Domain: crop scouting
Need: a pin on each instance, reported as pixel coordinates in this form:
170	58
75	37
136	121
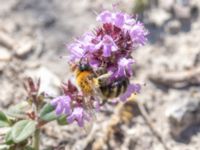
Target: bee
96	83
95	86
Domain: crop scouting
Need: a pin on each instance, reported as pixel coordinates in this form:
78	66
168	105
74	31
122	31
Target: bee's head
84	67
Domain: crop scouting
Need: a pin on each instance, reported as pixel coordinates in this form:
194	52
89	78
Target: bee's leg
88	103
89	106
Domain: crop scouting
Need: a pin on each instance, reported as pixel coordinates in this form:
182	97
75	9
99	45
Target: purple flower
78	115
126	23
86	41
132	88
105	17
129	21
82	46
124	67
117	19
71	105
62	104
138	34
108	46
95	63
119	34
76	51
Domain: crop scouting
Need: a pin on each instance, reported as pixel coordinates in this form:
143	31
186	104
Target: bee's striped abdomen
115	88
105	90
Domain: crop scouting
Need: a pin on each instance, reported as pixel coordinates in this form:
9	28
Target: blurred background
33	38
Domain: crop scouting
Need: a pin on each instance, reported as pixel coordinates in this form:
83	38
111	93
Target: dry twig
123	114
146	117
177	79
6	41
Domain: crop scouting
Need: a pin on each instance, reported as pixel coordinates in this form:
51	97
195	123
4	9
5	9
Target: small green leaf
19	110
47	113
62	120
4	147
4	121
22	130
9	139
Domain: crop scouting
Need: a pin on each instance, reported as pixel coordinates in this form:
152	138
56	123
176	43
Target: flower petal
105	17
78	115
132	88
59	109
124	67
119	20
62	103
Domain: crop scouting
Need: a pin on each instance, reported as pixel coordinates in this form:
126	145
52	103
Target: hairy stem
36	136
36	139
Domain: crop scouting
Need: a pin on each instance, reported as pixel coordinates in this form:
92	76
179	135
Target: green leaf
4	121
22	130
19	110
9	139
47	113
4	147
62	120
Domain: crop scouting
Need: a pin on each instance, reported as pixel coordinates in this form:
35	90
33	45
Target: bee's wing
105	76
102	80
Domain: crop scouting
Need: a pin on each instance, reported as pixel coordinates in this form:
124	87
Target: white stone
173	27
24	47
182	12
166	4
158	16
183	114
5	55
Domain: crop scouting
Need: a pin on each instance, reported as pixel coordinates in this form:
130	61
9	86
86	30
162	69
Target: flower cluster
71	104
110	47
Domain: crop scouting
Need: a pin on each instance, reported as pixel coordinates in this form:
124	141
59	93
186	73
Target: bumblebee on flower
104	60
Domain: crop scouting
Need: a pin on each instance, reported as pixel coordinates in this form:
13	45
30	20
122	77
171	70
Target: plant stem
36	139
146	118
